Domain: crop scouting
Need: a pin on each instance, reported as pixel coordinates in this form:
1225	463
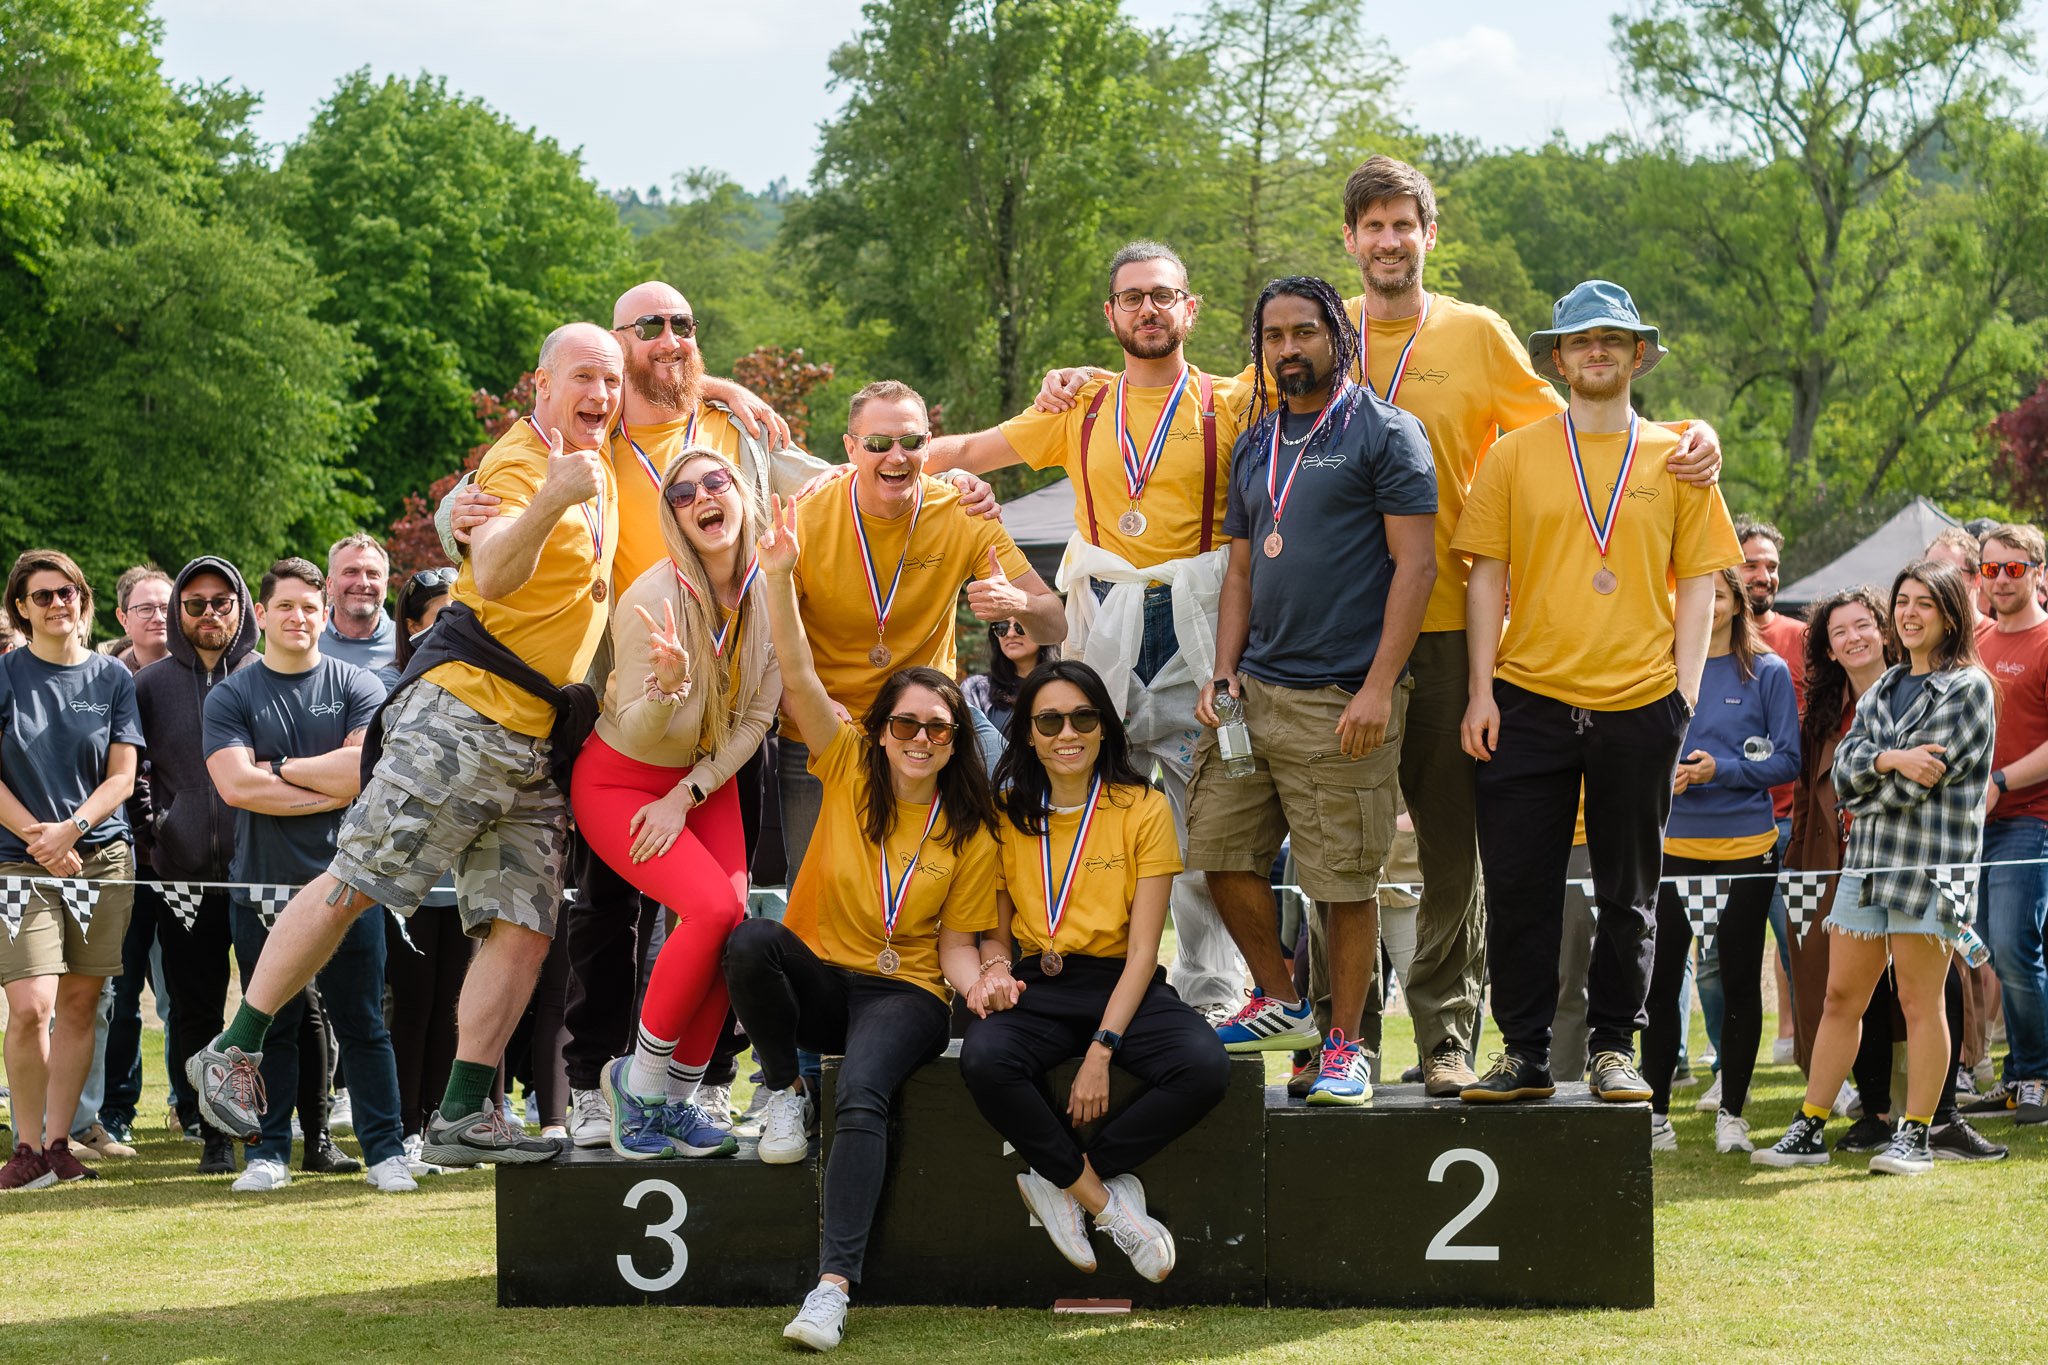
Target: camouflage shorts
456	789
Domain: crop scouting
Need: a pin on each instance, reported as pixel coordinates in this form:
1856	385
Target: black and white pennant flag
1803	892
269	901
183	898
80	896
1958	882
15	893
1702	897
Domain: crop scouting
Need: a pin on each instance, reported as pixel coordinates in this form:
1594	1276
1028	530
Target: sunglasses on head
433	578
683	492
879	444
1085	720
648	326
196	607
940	732
67	594
2011	568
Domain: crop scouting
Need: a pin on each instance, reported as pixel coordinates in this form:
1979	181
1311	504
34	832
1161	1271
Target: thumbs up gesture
573	476
996	598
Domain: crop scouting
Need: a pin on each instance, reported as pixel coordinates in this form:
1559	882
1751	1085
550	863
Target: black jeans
1873	1066
426	983
607	931
1739	939
124	1024
1528	797
1167	1046
882	1030
196	979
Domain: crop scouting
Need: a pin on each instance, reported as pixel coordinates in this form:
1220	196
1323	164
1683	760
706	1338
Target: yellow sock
1815	1111
1925	1121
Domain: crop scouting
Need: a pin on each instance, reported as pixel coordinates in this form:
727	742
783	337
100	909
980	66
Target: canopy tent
1041	522
1875	559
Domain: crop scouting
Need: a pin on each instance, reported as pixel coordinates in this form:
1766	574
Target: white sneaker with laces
1663	1137
821	1322
783	1121
1136	1233
1710	1100
1731	1133
715	1102
1848	1103
1062	1217
341	1115
392	1175
590	1119
261	1176
414	1165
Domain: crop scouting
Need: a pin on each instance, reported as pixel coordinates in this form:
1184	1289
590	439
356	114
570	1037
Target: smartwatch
1112	1041
1998	780
84	825
277	768
696	792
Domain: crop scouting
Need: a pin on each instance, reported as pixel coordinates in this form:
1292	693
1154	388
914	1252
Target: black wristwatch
1112	1041
1998	780
277	768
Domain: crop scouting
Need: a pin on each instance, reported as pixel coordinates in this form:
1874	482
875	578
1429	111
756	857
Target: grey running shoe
230	1089
480	1138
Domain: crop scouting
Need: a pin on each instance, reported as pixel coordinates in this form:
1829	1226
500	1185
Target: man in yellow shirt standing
471	739
1612	558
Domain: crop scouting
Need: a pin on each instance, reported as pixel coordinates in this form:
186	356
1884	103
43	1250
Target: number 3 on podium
679	1209
1440	1247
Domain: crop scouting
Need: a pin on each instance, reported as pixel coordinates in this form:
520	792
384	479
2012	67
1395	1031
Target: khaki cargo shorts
50	942
456	789
1340	811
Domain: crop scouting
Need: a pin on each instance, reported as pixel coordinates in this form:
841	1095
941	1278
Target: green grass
153	1263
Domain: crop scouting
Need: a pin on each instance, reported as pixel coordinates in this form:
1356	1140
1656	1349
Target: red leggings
702	879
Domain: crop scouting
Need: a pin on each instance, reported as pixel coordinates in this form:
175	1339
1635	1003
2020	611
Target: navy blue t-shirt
57	722
1317	609
288	715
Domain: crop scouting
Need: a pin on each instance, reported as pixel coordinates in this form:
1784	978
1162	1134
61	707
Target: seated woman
897	884
695	690
1011	656
1088	856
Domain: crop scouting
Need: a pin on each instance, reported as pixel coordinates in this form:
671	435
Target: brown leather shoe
1446	1074
102	1144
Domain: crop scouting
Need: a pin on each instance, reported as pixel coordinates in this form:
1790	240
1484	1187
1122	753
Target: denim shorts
1876	921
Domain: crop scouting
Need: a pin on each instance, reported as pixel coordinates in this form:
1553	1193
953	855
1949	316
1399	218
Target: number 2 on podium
1440	1247
679	1209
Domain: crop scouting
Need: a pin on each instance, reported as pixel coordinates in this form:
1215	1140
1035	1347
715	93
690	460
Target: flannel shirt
1901	824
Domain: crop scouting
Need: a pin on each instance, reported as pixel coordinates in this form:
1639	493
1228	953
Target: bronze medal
888	961
1050	963
1605	582
879	656
1273	544
598	591
1131	523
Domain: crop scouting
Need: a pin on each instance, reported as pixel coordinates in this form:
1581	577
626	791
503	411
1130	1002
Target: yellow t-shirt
640	509
949	549
1605	652
552	622
836	905
1723	848
1172	503
1132	837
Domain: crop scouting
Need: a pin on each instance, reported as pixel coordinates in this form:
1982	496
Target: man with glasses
359	630
1147	451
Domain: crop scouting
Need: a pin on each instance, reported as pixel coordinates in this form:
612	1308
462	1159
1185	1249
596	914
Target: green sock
248	1029
1816	1111
469	1089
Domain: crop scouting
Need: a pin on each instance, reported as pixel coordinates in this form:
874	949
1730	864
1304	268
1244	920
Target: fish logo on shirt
1324	459
1642	491
98	708
930	869
1102	862
325	708
924	561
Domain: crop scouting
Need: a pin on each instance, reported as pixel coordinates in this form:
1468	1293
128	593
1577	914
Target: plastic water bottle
1976	952
1233	737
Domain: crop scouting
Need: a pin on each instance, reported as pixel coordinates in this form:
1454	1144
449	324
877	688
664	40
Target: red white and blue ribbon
725	627
1602	528
1277	493
1056	903
1401	365
1138	472
646	463
896	895
881	604
592	508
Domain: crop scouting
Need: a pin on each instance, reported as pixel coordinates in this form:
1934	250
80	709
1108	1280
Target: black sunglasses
1085	719
683	492
906	727
433	578
67	594
648	326
879	444
196	607
1001	628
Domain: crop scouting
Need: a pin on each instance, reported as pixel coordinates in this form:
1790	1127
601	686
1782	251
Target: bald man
468	738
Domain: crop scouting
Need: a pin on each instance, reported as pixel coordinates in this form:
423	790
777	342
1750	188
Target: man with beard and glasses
359	630
1148	453
1594	680
1331	522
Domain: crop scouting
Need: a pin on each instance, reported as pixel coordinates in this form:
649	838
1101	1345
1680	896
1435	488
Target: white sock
682	1080
646	1074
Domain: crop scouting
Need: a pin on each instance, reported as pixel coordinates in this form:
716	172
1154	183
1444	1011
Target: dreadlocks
1343	336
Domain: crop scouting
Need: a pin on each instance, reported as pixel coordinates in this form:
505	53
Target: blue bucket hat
1596	303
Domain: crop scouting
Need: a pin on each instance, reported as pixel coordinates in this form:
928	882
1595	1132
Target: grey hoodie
194	828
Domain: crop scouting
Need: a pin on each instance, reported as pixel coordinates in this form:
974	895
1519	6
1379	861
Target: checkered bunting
1702	897
1585	886
184	899
270	901
80	896
14	898
1958	882
1803	892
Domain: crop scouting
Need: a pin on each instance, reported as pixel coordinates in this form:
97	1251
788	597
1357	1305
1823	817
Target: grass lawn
154	1263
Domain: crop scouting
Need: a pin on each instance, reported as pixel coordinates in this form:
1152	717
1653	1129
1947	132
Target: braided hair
1343	336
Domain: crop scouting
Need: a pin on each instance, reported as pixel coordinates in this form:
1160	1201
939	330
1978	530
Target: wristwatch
84	825
1998	779
696	792
277	768
1112	1041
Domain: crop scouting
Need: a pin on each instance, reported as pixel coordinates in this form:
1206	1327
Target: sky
649	88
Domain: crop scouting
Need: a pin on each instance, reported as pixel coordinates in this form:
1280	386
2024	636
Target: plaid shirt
1899	823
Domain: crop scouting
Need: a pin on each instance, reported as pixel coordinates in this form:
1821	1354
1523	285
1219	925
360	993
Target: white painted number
680	1260
1440	1248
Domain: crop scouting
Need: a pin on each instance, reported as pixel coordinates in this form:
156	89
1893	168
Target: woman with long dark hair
1911	772
1011	656
1088	857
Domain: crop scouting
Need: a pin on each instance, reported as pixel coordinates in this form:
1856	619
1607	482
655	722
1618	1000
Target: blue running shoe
637	1130
690	1132
1345	1077
1266	1025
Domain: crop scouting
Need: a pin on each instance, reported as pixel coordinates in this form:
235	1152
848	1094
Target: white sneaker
1848	1103
392	1175
716	1103
298	1132
341	1116
822	1320
261	1176
748	1124
1710	1100
590	1119
783	1121
532	1110
415	1166
1663	1137
1061	1214
1731	1133
1136	1233
1782	1051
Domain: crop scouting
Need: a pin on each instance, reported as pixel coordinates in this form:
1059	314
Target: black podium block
952	1229
593	1228
1410	1201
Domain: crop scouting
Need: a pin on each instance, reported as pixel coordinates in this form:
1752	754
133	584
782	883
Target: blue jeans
352	993
2012	901
1161	641
1711	998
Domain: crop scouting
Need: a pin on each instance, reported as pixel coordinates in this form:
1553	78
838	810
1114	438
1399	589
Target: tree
2023	452
785	380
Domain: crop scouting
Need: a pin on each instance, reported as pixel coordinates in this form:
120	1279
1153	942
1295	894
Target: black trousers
123	1068
426	983
1873	1066
1528	797
882	1031
1167	1046
196	979
1739	938
607	930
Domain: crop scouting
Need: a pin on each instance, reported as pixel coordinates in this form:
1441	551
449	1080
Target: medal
1277	493
1056	905
880	656
598	591
1131	523
1401	365
1604	581
1138	470
647	464
1049	962
1273	545
888	961
894	895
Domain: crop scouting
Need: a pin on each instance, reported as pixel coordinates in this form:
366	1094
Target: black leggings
882	1030
1873	1067
1739	935
426	983
1166	1045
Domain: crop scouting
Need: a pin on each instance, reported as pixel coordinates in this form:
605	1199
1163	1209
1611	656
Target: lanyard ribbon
593	517
1137	472
1276	492
880	603
725	627
894	897
1400	366
647	464
1056	905
1603	531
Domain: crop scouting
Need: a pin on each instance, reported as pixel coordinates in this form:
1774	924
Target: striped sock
683	1081
646	1074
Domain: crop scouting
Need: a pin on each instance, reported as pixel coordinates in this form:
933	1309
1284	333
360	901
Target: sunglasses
67	594
940	732
648	326
1131	300
196	607
1085	720
879	444
683	492
2011	568
1001	628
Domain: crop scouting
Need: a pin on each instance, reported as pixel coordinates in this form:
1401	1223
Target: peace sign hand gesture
665	652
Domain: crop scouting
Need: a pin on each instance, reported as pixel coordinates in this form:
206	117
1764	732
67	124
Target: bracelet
675	698
992	963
